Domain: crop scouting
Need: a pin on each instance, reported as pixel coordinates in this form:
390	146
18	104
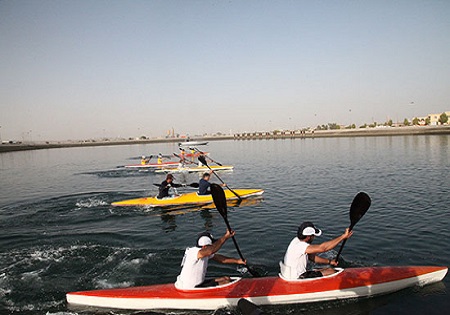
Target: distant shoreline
367	132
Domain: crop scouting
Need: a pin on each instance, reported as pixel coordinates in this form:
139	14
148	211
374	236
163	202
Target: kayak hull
195	169
188	199
192	143
152	165
346	284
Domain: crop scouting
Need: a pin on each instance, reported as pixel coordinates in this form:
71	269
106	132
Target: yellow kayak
187	199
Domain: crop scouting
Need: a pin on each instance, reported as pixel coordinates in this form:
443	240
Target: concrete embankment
367	132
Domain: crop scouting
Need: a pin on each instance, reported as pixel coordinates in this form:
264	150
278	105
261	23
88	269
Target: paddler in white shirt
195	262
300	250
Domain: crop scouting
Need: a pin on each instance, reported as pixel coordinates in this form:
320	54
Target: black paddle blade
359	207
219	199
248	308
202	159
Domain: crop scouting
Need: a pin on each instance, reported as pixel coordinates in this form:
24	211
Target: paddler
195	262
159	159
144	160
166	185
300	250
204	186
182	155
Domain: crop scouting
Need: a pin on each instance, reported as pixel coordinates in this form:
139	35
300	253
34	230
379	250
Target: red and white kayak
346	284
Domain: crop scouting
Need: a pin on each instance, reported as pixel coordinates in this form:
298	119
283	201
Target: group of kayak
285	288
186	163
195	198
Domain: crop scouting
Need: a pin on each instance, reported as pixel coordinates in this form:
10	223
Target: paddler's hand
347	234
241	262
333	262
229	234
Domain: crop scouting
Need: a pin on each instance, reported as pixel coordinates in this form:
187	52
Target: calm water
58	232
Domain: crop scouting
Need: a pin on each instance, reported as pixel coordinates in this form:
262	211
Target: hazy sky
89	69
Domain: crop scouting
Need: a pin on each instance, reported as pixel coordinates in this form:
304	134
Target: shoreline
367	132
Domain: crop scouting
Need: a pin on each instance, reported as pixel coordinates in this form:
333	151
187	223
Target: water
58	232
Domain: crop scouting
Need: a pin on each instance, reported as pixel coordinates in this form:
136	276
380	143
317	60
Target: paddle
358	208
202	153
248	308
221	205
194	185
202	159
183	160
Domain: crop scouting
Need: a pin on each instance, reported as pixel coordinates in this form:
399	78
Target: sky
85	69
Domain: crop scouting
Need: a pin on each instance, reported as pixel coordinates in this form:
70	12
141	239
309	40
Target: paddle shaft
183	160
207	157
203	161
234	240
340	250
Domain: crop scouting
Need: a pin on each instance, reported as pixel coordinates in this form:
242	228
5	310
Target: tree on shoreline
443	119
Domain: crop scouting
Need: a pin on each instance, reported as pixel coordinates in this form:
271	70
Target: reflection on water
168	215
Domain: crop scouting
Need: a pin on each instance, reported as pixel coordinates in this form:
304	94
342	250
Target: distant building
434	118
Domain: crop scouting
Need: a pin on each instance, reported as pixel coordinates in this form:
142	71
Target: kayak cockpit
285	272
234	280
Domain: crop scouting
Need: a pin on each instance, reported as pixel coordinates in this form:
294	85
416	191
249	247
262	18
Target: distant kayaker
204	186
166	185
195	262
182	155
300	251
144	160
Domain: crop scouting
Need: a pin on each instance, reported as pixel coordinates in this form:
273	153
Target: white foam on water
105	284
91	203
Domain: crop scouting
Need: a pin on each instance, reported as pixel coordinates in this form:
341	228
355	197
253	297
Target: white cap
204	240
311	231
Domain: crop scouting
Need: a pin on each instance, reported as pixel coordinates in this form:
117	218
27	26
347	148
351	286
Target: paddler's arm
321	260
214	247
228	260
326	246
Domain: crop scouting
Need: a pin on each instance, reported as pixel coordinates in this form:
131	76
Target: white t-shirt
296	258
193	271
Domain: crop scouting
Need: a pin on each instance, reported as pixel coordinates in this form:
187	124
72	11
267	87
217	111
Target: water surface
59	233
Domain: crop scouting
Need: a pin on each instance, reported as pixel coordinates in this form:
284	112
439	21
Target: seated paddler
195	262
166	185
301	251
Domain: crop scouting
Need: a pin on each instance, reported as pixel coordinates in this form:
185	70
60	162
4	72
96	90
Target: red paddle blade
359	207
